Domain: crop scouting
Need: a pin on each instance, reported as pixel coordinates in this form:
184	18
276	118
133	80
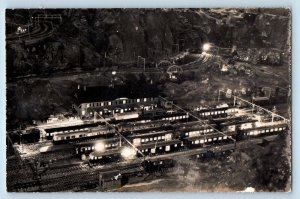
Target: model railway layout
134	147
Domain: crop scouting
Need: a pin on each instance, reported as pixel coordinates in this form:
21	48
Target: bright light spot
128	153
206	47
99	147
136	28
249	189
114	73
91	156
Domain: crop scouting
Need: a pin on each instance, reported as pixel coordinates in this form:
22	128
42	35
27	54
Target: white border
294	5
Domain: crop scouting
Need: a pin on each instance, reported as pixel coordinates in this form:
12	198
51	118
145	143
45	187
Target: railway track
44	31
71	178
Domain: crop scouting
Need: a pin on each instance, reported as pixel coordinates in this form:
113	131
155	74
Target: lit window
124	101
201	141
138	100
109	103
197	142
145	99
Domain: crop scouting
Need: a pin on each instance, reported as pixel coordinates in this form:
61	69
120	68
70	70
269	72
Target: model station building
118	99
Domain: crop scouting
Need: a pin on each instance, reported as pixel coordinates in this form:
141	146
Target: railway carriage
263	131
150	137
96	145
196	131
160	165
221	152
160	147
235	125
213	113
108	156
83	134
205	140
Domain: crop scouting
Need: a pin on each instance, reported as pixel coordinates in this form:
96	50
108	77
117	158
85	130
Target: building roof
104	93
93	142
149	134
77	127
206	136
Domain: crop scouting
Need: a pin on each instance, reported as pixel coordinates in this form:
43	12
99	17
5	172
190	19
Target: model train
172	145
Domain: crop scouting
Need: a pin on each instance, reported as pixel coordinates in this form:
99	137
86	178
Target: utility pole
100	180
219	95
234	100
144	60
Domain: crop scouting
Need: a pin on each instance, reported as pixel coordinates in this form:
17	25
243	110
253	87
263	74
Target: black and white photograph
148	100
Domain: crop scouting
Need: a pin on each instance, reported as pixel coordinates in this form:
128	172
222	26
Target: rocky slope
90	39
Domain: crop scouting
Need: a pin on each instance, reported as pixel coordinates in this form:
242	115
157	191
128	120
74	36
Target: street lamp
128	153
99	147
206	47
21	142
